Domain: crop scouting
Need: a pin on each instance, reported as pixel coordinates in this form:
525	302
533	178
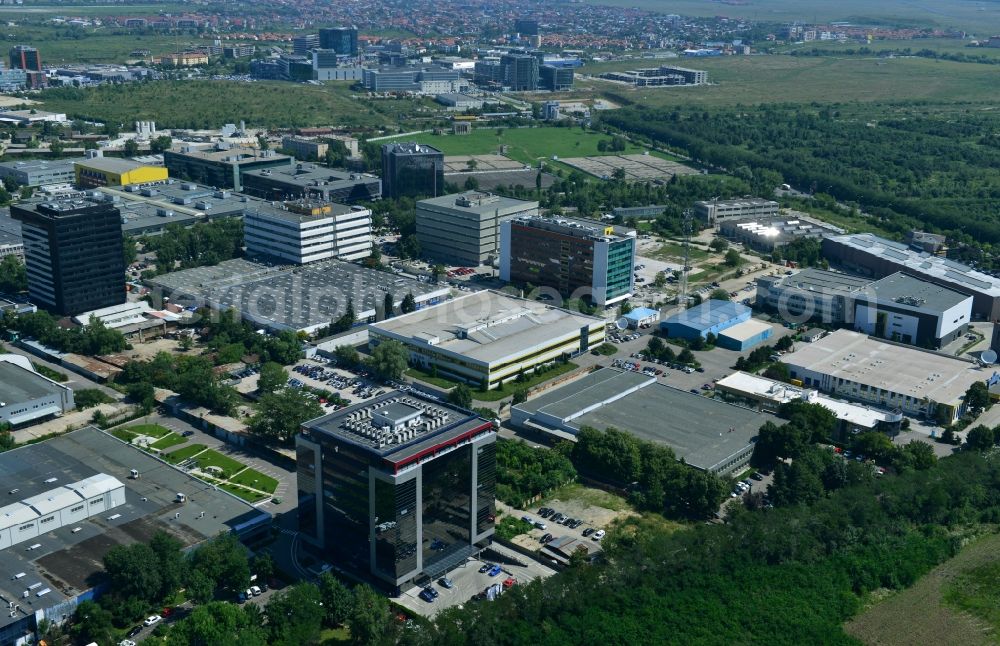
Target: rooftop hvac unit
149	192
189	187
203	205
165	213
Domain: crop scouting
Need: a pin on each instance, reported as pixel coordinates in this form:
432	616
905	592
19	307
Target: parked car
445	582
546	538
495	570
509	582
135	631
485	568
152	619
598	535
757	476
540	525
588	531
255	590
426	595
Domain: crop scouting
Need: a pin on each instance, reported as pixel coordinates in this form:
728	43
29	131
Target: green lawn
245	494
152	430
212	458
167	441
675	251
334	636
123	435
180	455
526	145
440	382
530	381
255	479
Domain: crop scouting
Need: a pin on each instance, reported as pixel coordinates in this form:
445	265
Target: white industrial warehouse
59	507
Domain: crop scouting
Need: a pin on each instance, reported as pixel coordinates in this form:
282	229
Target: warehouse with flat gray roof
59	566
26	396
490	337
706	433
301	298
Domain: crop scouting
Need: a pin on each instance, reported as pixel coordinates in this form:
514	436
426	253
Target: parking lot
467	581
321	374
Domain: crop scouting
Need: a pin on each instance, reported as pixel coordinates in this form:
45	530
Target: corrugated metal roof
53	500
96	485
16	514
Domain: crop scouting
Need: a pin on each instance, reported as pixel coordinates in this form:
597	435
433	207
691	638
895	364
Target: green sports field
526	145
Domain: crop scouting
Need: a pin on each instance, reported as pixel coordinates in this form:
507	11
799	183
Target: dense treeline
524	472
908	166
655	479
958	57
205	243
788	575
91	339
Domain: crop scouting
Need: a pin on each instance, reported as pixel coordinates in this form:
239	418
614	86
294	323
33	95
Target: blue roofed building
712	316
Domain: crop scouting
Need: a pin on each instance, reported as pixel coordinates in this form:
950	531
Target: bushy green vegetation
90	397
56	375
280	414
655	479
785	575
525	473
91	339
206	243
13	275
509	527
193	378
909	167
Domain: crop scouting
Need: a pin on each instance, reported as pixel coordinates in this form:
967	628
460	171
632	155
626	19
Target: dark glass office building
343	40
73	254
520	72
23	57
412	170
398	488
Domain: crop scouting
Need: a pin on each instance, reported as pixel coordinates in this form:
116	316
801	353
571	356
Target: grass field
180	455
590	496
507	390
212	458
922	614
982	18
167	441
525	144
208	104
255	479
123	435
786	79
152	430
942	45
245	494
675	251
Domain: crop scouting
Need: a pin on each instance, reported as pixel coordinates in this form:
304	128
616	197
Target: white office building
301	232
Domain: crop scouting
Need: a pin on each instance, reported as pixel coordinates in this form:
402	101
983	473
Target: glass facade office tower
73	254
343	40
579	258
398	487
23	57
412	170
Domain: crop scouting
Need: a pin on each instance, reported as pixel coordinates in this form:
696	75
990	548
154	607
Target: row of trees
656	480
205	243
914	168
293	616
13	275
145	576
525	472
92	339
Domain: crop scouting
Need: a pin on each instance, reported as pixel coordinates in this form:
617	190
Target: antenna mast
682	297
